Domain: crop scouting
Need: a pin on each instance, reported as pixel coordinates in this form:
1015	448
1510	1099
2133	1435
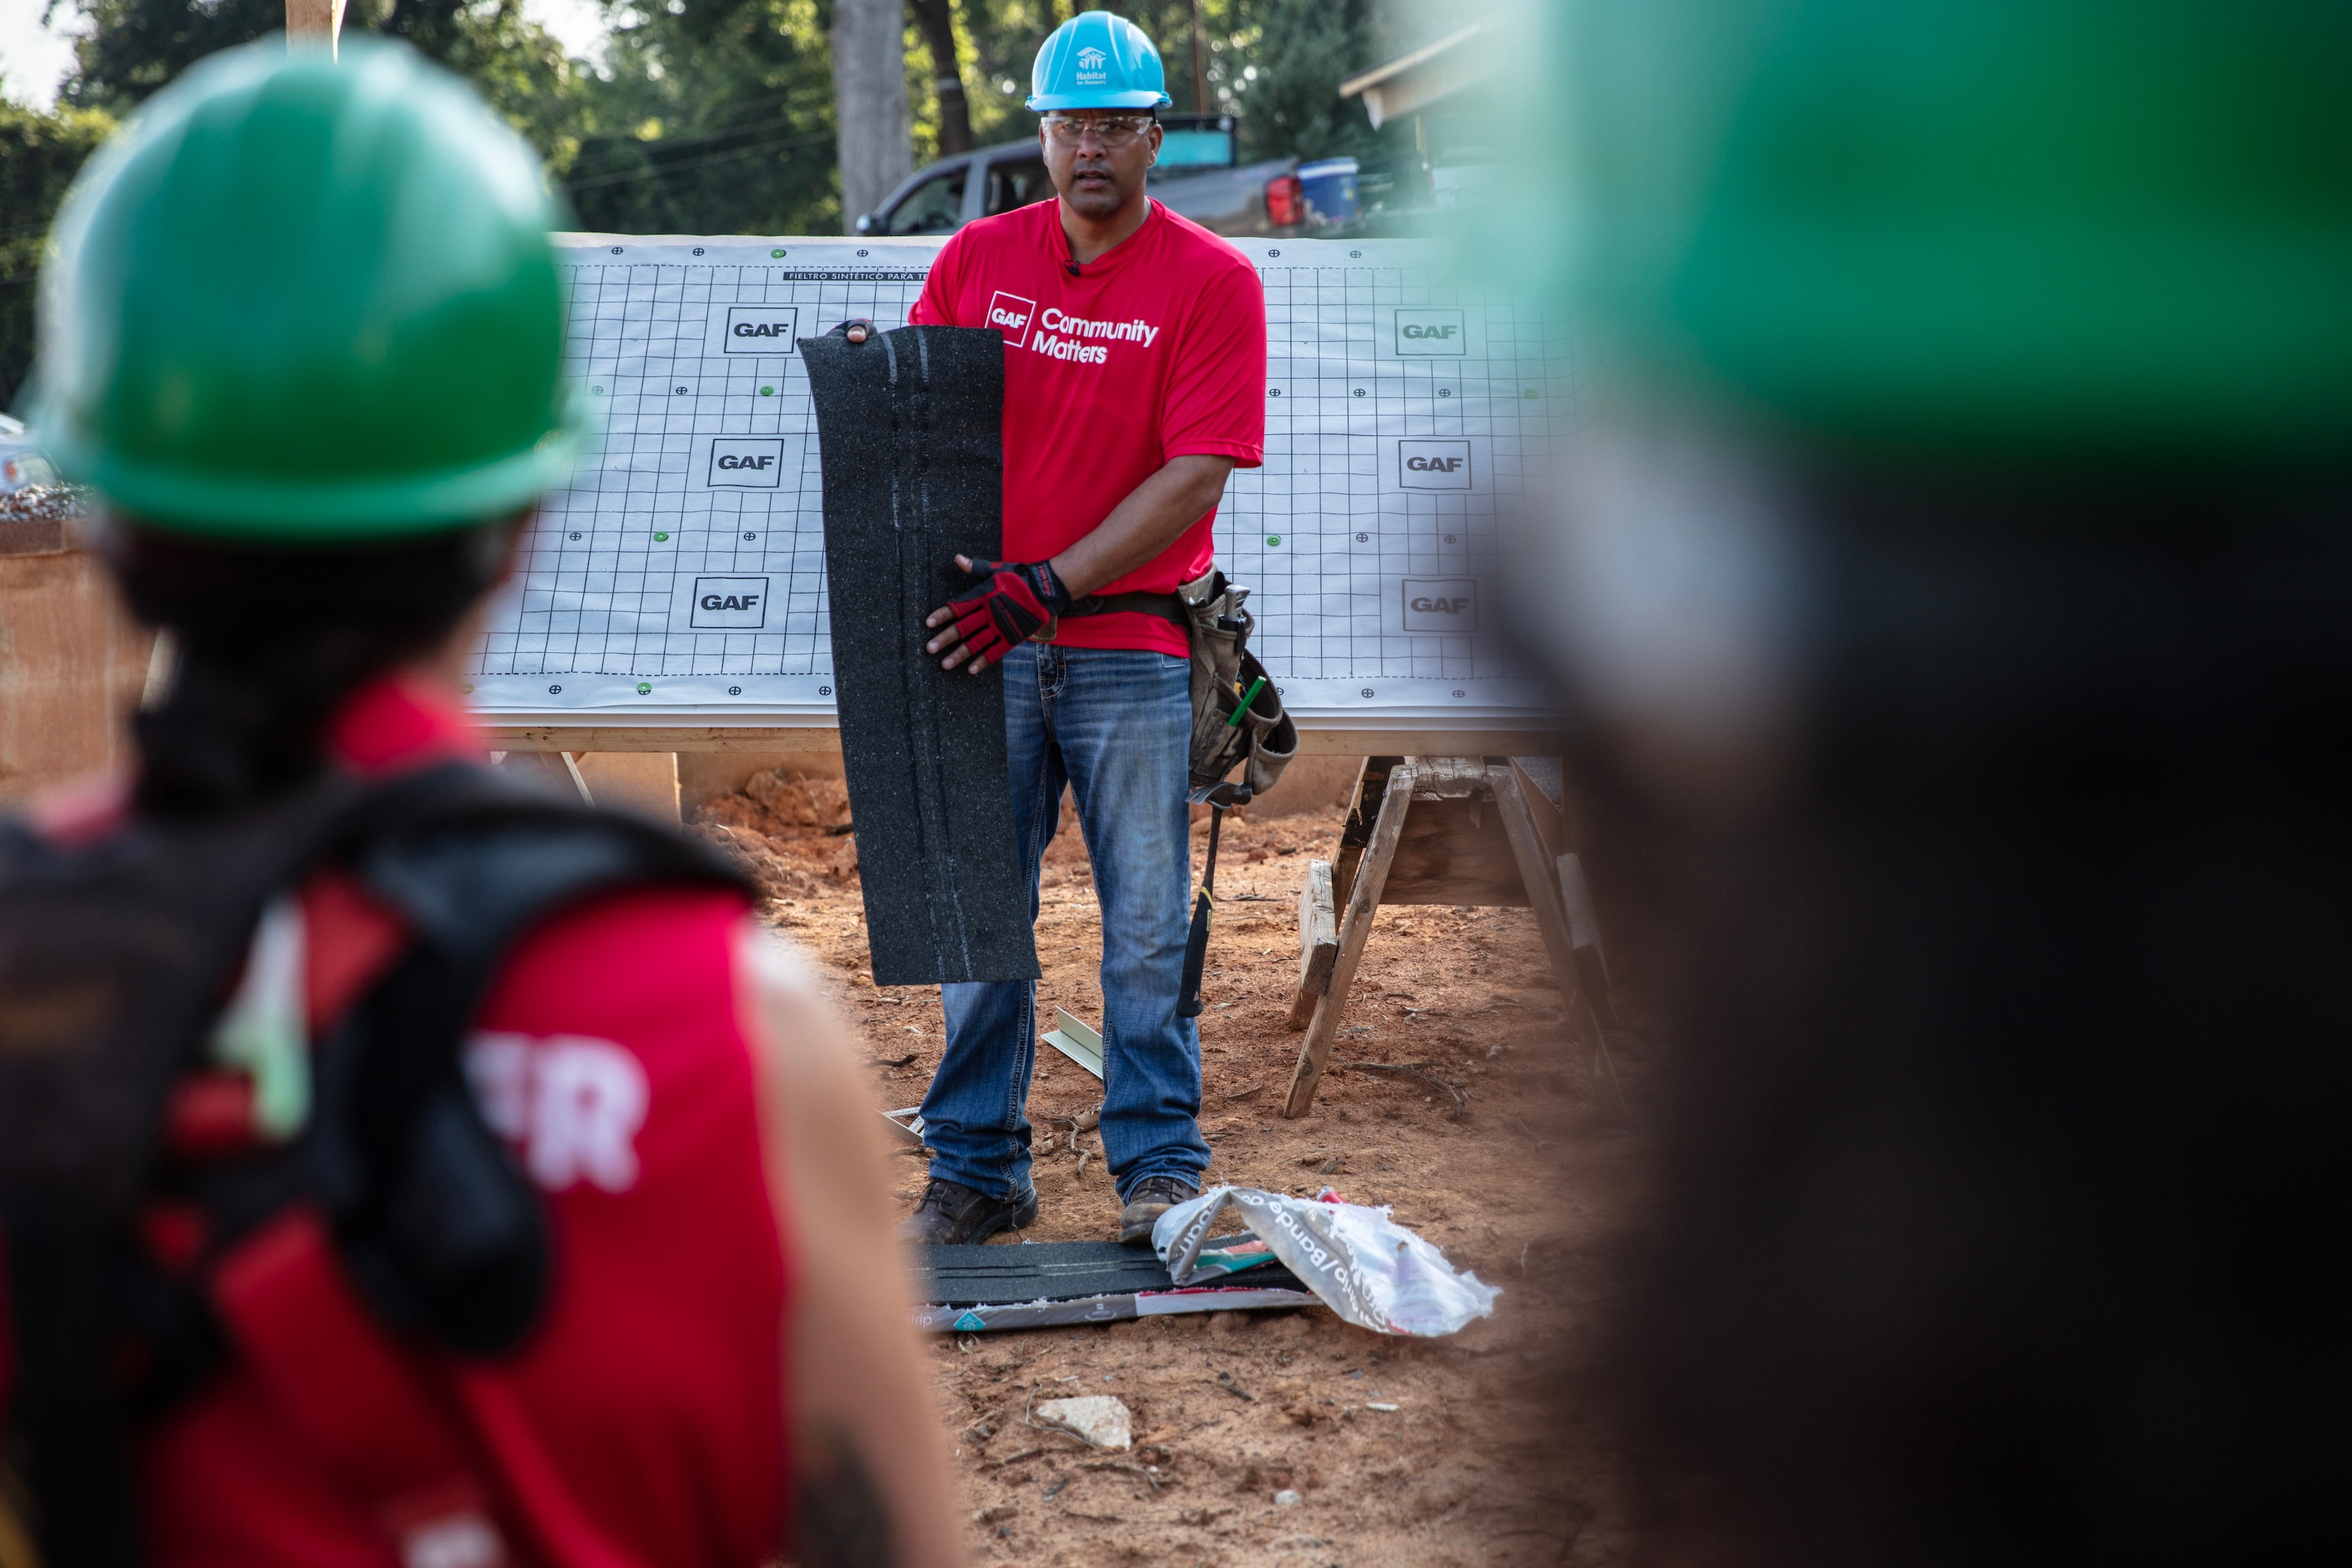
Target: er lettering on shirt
573	1105
1154	351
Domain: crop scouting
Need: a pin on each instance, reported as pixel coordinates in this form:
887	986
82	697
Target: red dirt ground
1489	1458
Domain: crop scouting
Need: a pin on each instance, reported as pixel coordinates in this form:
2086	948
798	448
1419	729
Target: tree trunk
869	95
937	18
1200	62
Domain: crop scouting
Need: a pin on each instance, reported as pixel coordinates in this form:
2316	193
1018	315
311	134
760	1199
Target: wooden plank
72	662
1535	876
1584	937
32	535
1319	740
577	738
1551	919
753	733
313	21
1547	798
1362	904
1318	942
1363	808
1448	778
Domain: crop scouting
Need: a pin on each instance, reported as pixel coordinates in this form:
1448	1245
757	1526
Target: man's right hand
1012	600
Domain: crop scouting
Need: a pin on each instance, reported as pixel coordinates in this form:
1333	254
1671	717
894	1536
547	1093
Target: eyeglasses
1111	130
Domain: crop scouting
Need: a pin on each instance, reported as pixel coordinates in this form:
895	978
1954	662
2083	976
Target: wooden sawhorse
1439	830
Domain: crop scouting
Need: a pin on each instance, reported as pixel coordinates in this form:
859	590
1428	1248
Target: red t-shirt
643	1421
1155	350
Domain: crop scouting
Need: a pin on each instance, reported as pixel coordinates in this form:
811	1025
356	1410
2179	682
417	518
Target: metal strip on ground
1056	1271
1107	1308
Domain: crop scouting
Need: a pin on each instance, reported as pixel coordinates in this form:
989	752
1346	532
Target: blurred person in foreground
1953	588
519	1205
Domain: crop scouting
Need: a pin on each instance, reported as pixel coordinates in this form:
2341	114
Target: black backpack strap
114	961
445	1234
72	1444
113	958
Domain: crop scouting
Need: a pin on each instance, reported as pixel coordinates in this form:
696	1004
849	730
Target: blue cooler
1330	187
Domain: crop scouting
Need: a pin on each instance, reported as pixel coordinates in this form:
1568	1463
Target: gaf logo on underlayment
730	604
747	463
1010	314
1441	605
760	329
1433	465
1432	332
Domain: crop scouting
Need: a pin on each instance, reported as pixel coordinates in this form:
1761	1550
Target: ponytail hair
270	640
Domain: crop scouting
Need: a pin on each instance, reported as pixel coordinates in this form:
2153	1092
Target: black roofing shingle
910	439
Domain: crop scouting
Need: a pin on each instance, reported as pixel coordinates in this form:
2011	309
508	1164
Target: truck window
1202	147
935	206
1016	185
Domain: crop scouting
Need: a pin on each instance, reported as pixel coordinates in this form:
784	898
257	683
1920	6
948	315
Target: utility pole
310	22
869	96
1200	61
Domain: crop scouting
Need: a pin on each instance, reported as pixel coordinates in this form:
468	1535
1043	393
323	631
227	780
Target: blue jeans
1115	725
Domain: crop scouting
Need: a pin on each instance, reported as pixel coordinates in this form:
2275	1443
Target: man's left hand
1011	603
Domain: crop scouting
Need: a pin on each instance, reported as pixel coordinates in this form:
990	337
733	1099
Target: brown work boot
952	1214
1153	1196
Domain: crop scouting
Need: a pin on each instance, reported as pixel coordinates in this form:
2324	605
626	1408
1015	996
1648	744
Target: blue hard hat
1097	60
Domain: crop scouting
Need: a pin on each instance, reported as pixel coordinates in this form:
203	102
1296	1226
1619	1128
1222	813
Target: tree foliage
702	116
1285	87
39	154
710	117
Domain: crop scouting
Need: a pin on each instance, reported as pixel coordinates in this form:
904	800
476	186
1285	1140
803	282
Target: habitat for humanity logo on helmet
1090	68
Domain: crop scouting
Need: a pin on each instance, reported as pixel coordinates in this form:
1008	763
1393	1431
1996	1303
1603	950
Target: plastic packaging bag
1366	1267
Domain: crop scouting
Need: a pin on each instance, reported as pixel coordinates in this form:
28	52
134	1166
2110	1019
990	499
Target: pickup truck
1196	176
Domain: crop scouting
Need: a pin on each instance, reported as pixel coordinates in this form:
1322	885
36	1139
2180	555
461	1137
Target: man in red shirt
1134	383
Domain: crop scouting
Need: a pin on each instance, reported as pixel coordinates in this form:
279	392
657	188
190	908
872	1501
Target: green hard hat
308	301
2102	227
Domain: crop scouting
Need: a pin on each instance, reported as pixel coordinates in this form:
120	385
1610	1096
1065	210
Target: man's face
1097	157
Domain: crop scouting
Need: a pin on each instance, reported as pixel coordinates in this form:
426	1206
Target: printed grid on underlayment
1327	535
606	566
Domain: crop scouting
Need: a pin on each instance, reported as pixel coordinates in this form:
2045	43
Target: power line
659	171
745	128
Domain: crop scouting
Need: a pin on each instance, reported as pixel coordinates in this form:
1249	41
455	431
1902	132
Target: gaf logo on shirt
760	330
747	463
730	604
1432	332
1011	314
1433	465
1441	605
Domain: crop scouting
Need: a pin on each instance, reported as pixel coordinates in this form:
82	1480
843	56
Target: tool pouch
1223	669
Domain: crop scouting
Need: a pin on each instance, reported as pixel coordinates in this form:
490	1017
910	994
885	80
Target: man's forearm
1150	519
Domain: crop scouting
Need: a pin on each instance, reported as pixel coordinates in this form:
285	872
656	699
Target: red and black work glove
1005	609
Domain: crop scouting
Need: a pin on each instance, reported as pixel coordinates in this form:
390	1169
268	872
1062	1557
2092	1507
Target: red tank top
643	1421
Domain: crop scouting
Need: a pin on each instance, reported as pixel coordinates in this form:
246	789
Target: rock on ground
1100	1419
